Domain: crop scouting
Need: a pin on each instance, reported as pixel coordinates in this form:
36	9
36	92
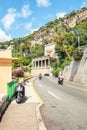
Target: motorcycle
60	81
19	93
40	77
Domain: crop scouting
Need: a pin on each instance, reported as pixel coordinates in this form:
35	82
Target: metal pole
75	31
78	42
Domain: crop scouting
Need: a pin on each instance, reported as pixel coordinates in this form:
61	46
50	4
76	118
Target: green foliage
50	24
22	61
83	8
82	30
67	45
56	71
56	68
37	50
77	54
2	46
34	51
73	13
65	62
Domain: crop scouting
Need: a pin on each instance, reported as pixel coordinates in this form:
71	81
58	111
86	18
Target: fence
10	88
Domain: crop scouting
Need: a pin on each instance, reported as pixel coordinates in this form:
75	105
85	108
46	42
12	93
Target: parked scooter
19	93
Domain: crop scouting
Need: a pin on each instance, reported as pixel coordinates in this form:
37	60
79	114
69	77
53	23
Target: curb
3	105
38	113
39	118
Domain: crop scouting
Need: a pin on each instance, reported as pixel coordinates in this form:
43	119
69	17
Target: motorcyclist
40	76
60	77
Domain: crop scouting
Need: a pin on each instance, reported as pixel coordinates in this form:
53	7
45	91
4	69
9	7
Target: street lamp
75	31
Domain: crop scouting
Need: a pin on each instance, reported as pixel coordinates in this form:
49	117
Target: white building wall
49	49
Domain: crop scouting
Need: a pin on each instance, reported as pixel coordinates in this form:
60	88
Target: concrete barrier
3	104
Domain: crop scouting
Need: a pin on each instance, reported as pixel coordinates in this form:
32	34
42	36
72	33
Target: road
65	107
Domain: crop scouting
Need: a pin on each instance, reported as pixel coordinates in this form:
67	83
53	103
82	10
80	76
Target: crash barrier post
11	88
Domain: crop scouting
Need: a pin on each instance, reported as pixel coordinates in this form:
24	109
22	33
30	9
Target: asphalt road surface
65	107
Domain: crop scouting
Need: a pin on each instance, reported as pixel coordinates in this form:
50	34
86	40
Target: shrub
18	72
26	75
56	71
77	54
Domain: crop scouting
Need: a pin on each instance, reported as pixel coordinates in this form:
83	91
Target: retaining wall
77	70
3	104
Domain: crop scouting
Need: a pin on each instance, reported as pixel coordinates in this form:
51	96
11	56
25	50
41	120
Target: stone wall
77	70
3	104
37	71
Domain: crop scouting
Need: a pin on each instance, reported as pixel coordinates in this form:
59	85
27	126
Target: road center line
54	95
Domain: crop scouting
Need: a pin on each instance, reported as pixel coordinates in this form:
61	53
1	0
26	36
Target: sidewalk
24	116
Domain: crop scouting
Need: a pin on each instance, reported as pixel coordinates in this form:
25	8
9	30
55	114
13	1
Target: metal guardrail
11	88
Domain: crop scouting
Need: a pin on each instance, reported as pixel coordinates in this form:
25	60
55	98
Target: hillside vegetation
70	42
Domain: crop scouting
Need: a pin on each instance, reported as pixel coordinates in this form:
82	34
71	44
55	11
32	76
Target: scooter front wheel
19	98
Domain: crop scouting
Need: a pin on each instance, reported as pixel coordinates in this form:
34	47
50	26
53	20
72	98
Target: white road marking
37	81
39	84
54	95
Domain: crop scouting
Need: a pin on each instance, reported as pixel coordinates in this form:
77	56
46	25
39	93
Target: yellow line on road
36	93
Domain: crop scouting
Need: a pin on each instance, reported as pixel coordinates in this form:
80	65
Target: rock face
77	70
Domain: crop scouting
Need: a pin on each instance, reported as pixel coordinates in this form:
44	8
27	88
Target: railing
11	88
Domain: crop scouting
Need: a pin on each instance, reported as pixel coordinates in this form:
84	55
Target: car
46	74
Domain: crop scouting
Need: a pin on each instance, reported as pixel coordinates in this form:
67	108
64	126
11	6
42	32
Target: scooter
60	81
40	77
19	93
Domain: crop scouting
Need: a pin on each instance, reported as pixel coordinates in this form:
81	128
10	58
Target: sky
19	18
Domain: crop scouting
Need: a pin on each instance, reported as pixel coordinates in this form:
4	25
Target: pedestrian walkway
22	116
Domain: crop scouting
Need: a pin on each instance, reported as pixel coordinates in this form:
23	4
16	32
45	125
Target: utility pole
75	31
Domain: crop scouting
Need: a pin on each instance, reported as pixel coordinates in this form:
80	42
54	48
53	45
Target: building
5	69
49	50
42	64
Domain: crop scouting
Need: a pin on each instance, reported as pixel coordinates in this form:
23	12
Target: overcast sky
19	18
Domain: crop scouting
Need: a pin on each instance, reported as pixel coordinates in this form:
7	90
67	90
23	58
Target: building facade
5	69
41	65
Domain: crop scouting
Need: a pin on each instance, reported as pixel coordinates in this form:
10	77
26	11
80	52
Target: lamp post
75	31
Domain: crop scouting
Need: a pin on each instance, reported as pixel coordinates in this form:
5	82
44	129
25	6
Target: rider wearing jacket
60	76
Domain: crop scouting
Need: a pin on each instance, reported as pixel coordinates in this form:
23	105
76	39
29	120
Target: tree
37	50
82	29
61	40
